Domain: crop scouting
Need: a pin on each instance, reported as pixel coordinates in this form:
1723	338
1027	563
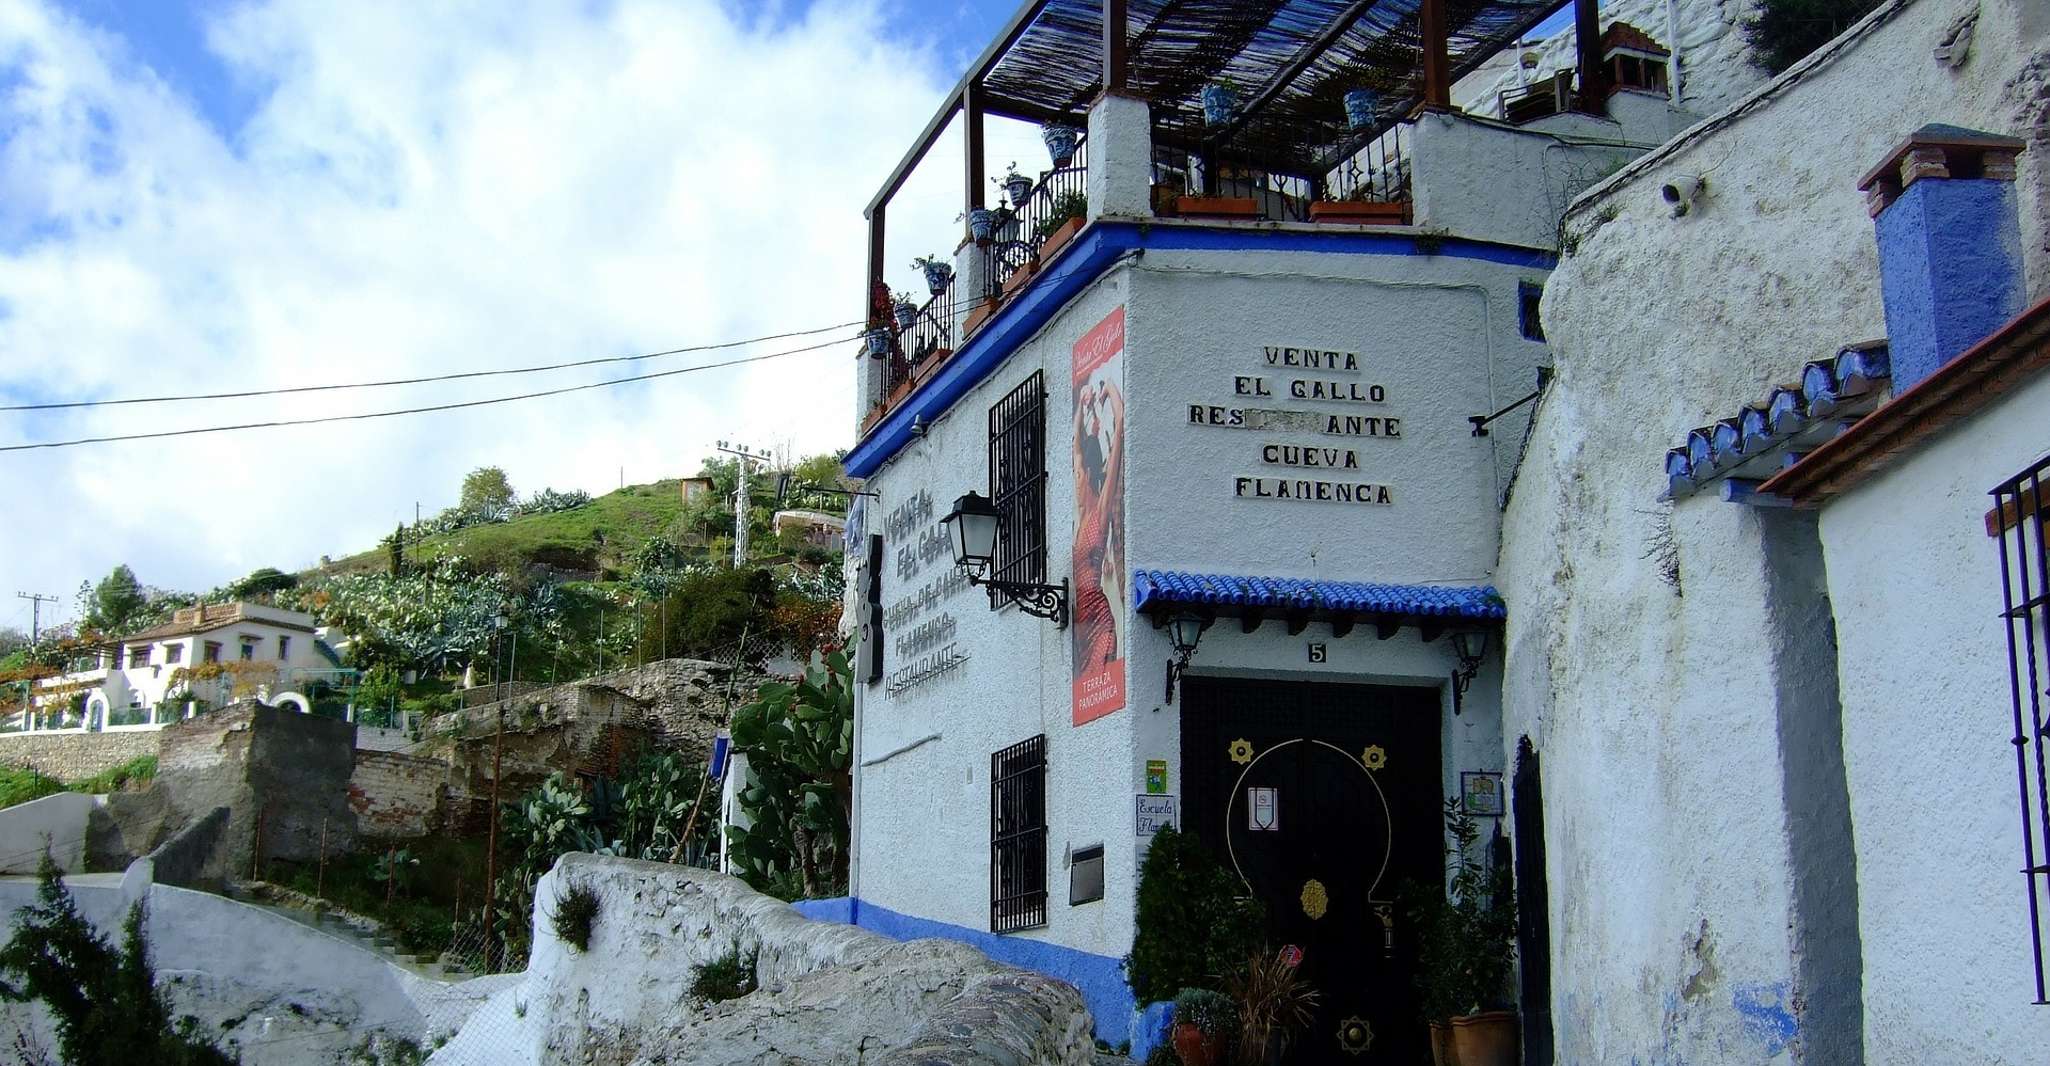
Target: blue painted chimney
1950	249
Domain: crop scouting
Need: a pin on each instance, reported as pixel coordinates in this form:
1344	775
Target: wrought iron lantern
972	532
1471	645
1184	630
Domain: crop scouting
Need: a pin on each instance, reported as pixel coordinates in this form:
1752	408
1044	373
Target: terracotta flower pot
1196	1047
1442	1053
1485	1039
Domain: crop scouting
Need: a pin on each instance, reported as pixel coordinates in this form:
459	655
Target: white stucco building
147	678
1273	384
1760	589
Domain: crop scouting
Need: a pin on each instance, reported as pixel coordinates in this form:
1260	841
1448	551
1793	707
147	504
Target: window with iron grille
2017	520
1017	836
1017	482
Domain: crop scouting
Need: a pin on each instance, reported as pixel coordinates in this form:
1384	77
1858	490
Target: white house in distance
147	678
1246	424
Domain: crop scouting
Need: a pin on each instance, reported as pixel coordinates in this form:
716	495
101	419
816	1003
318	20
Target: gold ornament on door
1242	751
1374	758
1315	900
1355	1036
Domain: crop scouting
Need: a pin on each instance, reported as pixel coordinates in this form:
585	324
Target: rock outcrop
828	994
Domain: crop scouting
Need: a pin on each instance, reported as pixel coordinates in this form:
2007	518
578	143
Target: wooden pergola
1294	60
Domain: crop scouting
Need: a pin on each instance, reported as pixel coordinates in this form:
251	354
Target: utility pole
35	625
743	456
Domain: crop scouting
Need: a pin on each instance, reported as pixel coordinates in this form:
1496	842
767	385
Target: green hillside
596	536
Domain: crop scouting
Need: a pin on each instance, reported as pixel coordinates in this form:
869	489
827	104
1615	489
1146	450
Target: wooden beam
1021	21
1296	64
1117	42
971	143
1587	37
1437	61
1430	631
1250	620
1385	628
875	265
1340	627
1297	622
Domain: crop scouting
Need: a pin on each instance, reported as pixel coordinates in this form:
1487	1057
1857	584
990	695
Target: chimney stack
1949	232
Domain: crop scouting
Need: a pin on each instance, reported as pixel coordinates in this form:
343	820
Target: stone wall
395	795
283	776
74	756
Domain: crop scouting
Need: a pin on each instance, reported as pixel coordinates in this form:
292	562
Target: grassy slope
591	536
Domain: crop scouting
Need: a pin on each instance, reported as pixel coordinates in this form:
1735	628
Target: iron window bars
1017	836
1017	488
2017	519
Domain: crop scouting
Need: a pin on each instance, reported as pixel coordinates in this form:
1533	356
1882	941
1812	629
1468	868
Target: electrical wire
457	406
74	404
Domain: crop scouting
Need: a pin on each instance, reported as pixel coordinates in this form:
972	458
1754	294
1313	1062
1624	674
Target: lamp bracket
1043	601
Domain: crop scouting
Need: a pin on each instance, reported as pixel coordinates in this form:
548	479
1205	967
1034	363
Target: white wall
1507	183
57	822
1684	916
1928	722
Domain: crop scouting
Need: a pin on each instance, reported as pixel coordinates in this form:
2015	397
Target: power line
73	404
417	410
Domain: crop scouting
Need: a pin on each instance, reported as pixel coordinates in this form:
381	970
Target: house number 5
1317	654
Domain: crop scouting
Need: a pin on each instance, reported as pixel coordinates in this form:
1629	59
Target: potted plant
1017	187
1220	102
1060	142
1064	218
1362	107
878	341
904	309
982	224
1206	1023
1274	1003
1469	935
938	272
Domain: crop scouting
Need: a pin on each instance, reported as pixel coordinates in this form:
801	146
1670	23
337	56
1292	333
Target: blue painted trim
1100	978
1092	252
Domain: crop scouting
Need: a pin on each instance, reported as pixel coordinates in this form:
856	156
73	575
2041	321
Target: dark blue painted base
1100	978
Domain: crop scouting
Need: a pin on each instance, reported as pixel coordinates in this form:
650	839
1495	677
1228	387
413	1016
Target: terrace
1280	114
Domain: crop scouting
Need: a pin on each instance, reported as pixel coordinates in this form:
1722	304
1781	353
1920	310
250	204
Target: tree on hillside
12	640
114	602
1784	32
486	490
264	581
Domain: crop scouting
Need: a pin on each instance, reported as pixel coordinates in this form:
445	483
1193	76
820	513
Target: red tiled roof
1624	35
1985	372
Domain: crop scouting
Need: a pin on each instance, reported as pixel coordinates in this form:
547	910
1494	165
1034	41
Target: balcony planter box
979	314
1361	212
1216	207
1020	277
1059	238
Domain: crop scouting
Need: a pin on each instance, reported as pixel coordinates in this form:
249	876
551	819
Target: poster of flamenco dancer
1098	625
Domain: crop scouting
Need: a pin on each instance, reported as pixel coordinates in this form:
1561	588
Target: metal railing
1061	193
2017	519
1378	173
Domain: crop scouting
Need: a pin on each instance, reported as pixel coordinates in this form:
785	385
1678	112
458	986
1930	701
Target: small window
1017	836
1017	482
138	655
213	651
174	652
284	647
1529	295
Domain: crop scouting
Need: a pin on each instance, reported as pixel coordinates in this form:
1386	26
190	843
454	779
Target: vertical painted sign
1098	626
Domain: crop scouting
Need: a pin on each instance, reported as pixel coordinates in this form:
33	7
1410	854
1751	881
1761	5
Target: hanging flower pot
878	343
982	224
938	273
905	312
1220	103
1361	105
1060	142
1018	188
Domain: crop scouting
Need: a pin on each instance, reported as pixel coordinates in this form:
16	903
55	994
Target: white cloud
427	188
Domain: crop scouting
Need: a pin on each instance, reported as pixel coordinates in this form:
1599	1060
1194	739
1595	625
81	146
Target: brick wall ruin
74	756
395	795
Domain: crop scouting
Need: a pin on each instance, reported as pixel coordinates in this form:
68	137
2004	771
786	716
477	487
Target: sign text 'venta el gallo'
1313	375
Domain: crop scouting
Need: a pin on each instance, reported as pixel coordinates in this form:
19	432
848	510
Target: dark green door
1324	800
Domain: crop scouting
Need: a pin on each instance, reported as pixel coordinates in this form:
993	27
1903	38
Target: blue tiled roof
1802	415
1173	588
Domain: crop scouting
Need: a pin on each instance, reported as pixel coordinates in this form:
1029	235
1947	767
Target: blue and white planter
938	276
1018	188
982	224
878	343
1060	142
1220	103
905	314
1362	106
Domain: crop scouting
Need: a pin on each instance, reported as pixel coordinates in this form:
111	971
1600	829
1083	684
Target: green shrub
1212	1012
140	769
1193	925
21	786
576	911
730	976
1784	32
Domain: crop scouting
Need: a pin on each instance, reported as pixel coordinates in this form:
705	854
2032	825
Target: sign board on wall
1098	626
1151	814
1156	776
